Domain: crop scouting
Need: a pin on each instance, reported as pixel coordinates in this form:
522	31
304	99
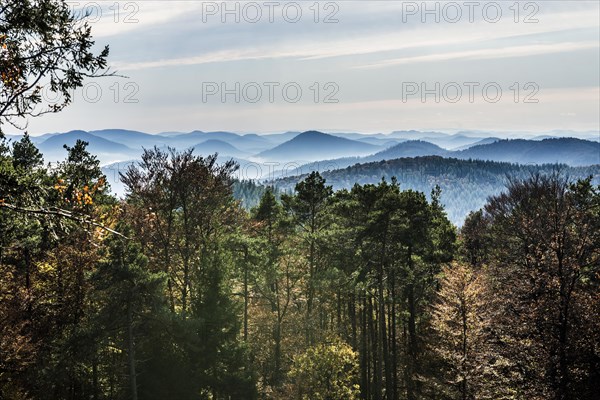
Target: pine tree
127	295
307	210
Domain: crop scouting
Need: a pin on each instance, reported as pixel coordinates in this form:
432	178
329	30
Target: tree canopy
46	51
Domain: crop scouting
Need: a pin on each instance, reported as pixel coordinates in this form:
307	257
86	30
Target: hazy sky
369	66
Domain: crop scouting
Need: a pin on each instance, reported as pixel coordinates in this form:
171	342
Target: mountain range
349	156
339	150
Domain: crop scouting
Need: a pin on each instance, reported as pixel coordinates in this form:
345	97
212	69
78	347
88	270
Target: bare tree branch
61	213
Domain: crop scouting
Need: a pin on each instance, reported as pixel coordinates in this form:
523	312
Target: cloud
308	47
489	53
123	18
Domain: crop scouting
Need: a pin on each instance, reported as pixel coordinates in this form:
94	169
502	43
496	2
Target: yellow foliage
46	268
327	372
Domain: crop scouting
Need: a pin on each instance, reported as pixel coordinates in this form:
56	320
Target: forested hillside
178	292
465	184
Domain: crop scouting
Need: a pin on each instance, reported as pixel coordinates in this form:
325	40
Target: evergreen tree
127	296
307	209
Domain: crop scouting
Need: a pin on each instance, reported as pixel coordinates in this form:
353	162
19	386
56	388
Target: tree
267	282
44	267
326	372
275	280
185	218
127	295
42	42
180	201
460	324
307	209
24	241
475	240
545	264
384	248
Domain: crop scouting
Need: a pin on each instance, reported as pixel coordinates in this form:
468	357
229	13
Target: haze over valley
469	166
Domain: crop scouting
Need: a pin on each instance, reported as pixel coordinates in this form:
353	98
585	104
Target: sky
354	66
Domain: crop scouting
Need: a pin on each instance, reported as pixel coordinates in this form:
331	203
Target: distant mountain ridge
571	151
314	145
52	148
212	146
340	149
410	148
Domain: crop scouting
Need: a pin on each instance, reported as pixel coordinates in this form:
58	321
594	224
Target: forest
465	184
178	292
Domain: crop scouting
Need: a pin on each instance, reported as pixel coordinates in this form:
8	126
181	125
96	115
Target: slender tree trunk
376	354
464	383
184	290
95	391
131	353
384	358
339	313
277	355
352	318
167	266
393	339
309	302
364	352
563	379
412	346
245	294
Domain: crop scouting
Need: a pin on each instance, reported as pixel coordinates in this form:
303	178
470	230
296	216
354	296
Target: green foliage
186	221
127	298
249	192
327	371
42	43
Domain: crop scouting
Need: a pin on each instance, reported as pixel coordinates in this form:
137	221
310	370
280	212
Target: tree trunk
277	355
352	318
131	353
95	391
384	356
412	346
394	352
364	352
245	294
375	353
310	296
464	383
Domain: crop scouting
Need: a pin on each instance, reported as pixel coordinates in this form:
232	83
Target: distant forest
370	292
465	184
